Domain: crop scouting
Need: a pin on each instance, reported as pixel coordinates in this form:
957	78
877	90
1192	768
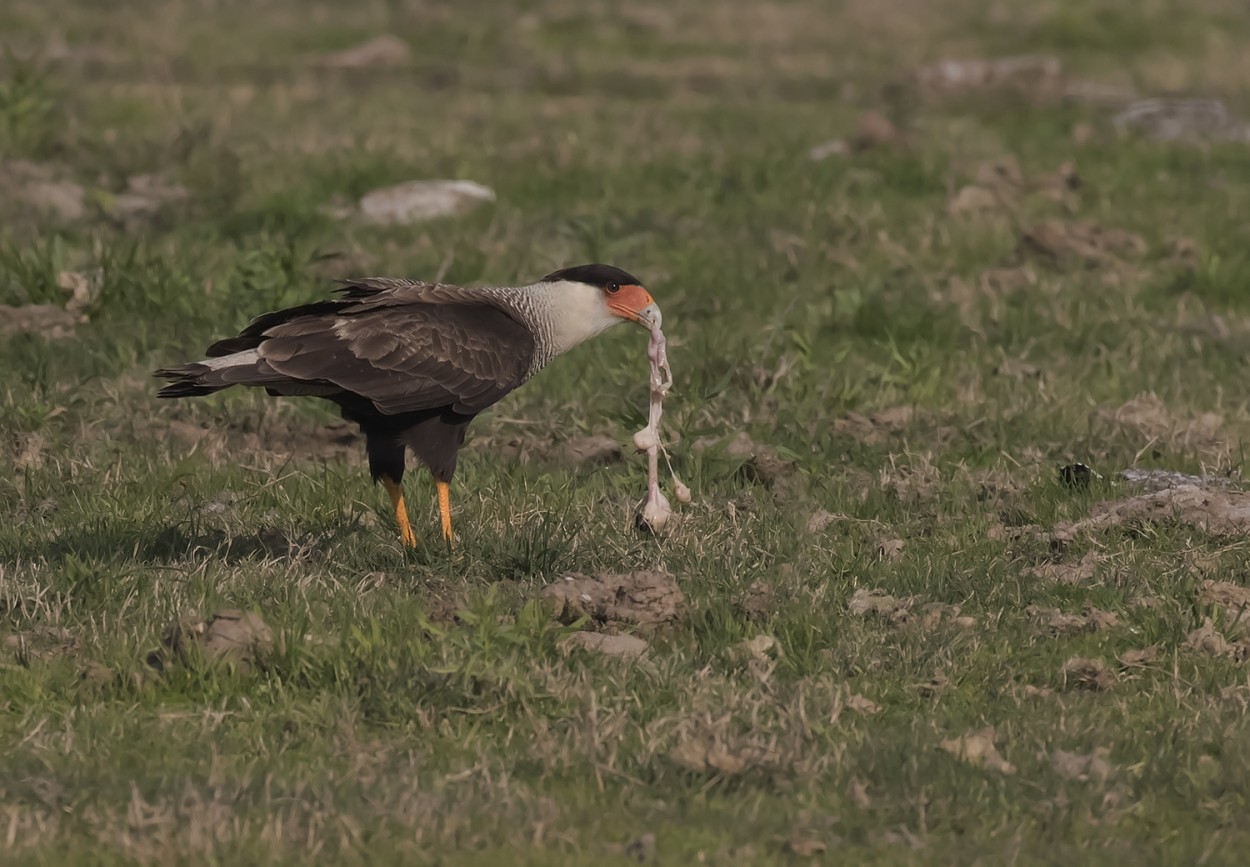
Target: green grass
420	707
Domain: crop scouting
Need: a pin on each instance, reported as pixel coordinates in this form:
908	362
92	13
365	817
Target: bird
412	363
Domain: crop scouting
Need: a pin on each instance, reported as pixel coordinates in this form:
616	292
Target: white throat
563	314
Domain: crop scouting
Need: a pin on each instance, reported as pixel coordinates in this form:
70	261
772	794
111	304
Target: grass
919	375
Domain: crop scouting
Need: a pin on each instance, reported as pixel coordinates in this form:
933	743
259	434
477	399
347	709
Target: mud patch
620	646
419	201
1033	77
1148	417
760	463
646	599
872	130
44	187
277	437
712	747
861	705
878	603
240	639
878	427
1159	480
1089	767
1000	184
41	643
977	748
1138	657
1080	244
759	601
1066	573
1056	622
50	321
1209	640
1182	120
381	52
761	649
1089	674
1234	600
1217	512
592	450
916	482
27	449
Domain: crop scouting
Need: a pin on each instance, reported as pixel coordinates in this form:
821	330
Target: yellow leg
401	513
444	507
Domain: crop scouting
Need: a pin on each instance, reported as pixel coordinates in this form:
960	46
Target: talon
401	512
444	509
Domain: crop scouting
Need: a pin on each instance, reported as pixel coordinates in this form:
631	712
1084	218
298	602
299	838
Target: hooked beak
635	304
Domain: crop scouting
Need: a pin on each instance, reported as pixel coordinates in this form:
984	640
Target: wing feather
405	354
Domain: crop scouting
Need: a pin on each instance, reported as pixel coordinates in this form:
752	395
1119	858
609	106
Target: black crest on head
594	275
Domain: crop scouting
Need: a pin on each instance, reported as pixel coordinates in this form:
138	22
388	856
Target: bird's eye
613	288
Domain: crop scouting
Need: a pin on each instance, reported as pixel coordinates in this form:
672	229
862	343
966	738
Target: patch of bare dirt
1214	511
1058	622
890	549
759	600
761	463
761	649
999	532
1000	184
1150	418
861	705
41	642
240	639
977	748
1089	674
1158	480
1034	77
640	849
875	428
872	130
931	615
1235	602
595	450
145	195
1066	573
711	747
820	520
915	482
621	646
419	201
591	450
1067	245
50	321
1207	639
384	51
1138	657
878	603
1092	766
44	187
647	599
338	441
1018	368
1182	120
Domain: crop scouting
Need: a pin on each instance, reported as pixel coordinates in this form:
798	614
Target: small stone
417	201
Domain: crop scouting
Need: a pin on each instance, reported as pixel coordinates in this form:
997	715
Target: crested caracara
412	363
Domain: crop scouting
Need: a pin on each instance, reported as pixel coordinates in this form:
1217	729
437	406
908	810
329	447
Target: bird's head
593	298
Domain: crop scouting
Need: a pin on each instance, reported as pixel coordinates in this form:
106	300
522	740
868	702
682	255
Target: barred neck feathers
561	314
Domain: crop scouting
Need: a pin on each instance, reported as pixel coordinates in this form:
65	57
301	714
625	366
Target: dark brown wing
406	356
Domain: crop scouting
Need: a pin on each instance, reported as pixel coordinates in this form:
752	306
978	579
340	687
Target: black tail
186	381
